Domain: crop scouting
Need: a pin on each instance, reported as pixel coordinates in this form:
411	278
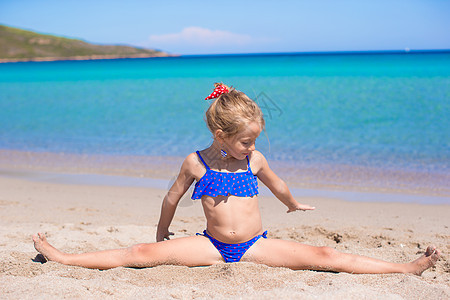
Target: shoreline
84	58
164	54
163	184
340	178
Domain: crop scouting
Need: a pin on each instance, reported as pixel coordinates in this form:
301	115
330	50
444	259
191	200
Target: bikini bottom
233	252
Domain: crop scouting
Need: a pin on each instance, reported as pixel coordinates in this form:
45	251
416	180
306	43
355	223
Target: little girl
227	186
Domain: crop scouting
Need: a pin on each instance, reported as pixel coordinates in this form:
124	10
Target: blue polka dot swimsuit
233	252
241	184
215	183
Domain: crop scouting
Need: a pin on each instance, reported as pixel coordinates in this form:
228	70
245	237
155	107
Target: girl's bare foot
43	247
426	261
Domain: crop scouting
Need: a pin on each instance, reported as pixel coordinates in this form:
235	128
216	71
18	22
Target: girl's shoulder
256	155
257	161
192	160
192	165
191	157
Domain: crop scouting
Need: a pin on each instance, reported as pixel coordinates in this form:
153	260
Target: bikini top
214	183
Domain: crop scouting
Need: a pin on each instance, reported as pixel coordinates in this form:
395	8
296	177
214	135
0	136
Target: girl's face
242	144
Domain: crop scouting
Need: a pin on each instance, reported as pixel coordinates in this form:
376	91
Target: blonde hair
232	111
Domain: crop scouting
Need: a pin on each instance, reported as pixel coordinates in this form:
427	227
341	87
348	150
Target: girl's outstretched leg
297	256
189	251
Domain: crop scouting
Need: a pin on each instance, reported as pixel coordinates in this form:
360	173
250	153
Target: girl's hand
163	235
301	207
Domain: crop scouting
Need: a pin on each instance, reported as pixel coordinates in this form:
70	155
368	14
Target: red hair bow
219	90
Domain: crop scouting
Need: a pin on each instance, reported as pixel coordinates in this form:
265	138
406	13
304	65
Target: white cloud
198	36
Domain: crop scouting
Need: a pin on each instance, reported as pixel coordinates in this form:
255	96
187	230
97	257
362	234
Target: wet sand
297	175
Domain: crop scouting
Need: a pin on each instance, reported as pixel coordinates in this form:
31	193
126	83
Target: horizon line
338	52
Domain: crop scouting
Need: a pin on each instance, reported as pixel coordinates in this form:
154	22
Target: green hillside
23	45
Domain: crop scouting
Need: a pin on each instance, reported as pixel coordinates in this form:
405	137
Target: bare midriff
231	219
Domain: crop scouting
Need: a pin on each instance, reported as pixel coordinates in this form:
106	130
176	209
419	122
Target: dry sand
79	218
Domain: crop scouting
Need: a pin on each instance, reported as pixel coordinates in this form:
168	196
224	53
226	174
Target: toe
430	250
437	252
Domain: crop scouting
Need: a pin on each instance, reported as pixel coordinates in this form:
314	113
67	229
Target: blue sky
216	27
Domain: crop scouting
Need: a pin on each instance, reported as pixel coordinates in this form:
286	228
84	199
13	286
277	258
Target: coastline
343	178
95	179
85	57
164	54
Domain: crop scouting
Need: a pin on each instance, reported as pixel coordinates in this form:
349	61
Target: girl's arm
276	185
170	202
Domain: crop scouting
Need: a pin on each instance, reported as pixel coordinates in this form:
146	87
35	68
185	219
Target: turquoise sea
382	110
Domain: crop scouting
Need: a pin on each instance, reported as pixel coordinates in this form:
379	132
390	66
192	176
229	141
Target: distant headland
18	45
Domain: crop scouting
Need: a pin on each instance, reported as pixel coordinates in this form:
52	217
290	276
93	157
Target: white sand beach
86	217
